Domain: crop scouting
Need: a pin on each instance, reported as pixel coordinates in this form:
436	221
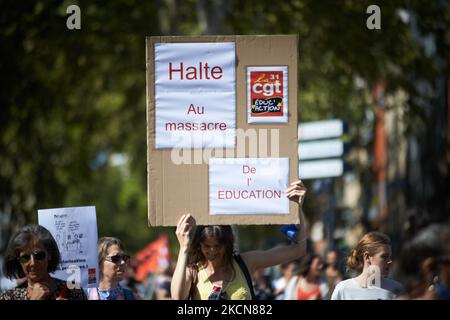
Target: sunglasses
118	258
38	255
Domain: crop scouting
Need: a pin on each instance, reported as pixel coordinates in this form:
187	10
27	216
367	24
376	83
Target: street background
73	110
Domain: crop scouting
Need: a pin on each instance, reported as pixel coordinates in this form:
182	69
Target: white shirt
350	289
279	284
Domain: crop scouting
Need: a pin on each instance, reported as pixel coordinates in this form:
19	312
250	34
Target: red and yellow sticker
267	94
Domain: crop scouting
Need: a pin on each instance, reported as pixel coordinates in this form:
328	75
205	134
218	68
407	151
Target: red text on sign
246	169
248	194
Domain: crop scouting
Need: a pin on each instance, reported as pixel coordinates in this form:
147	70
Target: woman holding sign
371	259
33	254
207	268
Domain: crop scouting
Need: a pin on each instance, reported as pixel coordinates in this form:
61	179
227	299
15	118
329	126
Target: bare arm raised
182	276
266	258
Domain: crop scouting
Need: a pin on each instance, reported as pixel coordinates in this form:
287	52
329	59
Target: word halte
203	71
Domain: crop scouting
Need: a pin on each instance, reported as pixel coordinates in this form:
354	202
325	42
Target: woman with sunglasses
112	265
207	268
32	254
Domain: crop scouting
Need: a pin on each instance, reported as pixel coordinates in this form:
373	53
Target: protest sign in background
75	232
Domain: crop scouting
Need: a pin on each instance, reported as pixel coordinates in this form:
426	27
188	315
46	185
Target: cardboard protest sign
199	104
75	232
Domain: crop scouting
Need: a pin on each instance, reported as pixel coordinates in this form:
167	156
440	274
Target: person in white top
371	259
279	284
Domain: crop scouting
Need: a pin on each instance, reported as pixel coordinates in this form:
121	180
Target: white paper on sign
75	232
195	95
248	185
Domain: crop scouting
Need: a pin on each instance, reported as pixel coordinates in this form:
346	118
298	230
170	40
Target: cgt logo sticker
267	94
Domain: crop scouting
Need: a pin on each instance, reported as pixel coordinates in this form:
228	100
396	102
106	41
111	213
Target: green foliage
70	100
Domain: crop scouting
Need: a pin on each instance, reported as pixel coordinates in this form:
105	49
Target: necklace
224	279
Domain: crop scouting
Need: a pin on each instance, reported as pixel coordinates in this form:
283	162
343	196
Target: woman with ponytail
371	260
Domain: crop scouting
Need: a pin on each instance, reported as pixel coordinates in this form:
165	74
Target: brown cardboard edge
218	219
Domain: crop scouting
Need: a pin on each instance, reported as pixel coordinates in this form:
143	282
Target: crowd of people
209	268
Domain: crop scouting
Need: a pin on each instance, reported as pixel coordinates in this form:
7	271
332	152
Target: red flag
154	256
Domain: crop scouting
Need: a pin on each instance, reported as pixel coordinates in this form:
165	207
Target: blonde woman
371	259
112	265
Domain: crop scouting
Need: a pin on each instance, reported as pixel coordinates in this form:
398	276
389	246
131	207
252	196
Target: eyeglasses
118	258
38	255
